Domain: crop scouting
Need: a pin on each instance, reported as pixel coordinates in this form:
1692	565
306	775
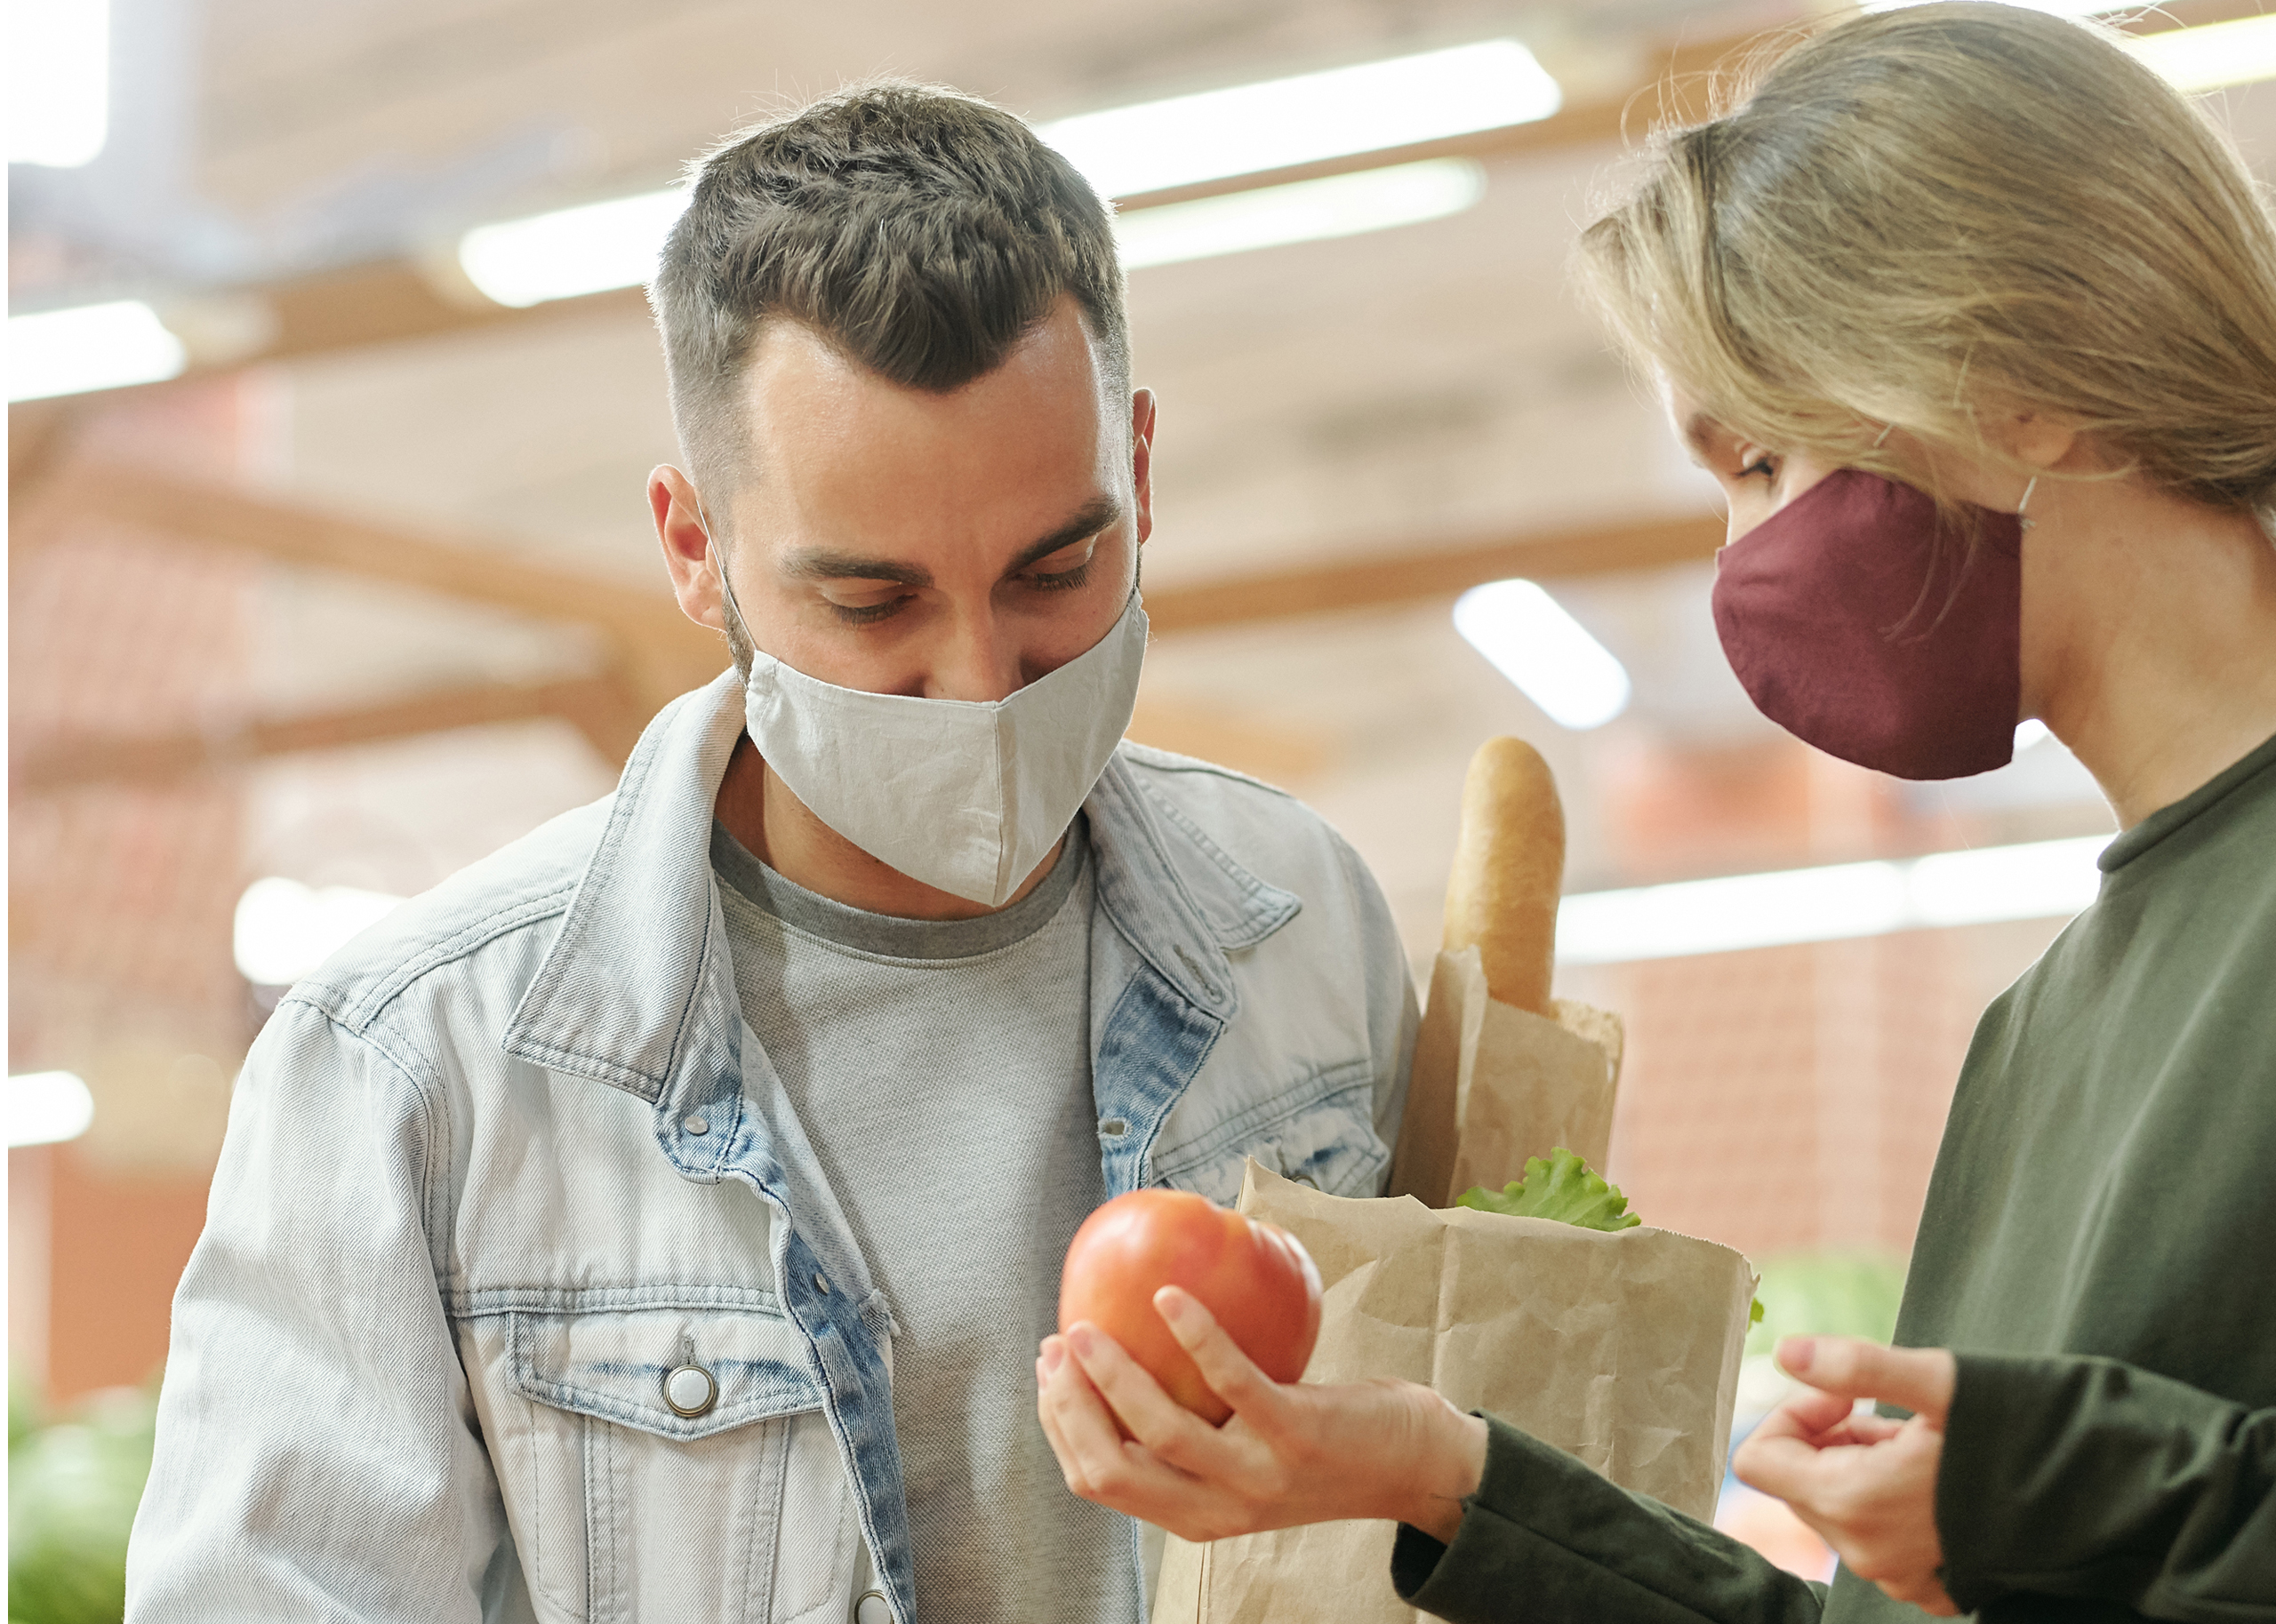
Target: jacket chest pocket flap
658	1446
1320	1131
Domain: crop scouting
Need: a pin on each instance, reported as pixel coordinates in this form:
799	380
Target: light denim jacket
514	1155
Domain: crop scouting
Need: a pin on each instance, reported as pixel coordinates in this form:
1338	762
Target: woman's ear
2035	438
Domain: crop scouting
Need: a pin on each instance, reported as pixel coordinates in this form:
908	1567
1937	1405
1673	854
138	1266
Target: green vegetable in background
72	1489
1828	1294
1562	1190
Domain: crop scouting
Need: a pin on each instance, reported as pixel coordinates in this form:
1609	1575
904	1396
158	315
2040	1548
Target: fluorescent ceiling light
2211	56
2044	880
58	81
1544	650
570	251
1303	211
1129	150
90	347
286	929
1149	146
46	1108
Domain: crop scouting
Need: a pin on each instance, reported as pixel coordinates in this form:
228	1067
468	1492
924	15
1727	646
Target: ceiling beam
599	706
480	568
1406	574
648	626
660	651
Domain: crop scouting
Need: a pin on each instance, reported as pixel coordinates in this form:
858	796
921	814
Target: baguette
1509	869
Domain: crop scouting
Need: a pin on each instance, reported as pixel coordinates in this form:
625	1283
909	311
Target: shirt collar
639	978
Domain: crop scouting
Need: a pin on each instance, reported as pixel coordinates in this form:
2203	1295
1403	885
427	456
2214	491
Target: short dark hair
922	231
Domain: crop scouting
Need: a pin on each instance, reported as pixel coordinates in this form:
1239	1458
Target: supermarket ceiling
1375	419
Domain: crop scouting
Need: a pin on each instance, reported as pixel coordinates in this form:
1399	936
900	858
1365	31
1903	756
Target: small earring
2028	489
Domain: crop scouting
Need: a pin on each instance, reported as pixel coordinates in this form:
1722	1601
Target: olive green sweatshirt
2099	1249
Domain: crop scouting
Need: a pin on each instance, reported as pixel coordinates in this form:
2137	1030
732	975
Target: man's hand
1291	1454
1867	1484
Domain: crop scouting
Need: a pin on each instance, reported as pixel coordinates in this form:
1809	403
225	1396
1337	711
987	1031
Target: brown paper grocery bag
1621	1349
1493	1084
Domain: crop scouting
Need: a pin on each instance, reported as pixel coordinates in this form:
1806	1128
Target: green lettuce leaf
1562	1190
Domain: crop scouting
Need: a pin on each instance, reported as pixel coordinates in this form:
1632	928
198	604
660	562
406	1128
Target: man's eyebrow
829	563
824	564
1094	515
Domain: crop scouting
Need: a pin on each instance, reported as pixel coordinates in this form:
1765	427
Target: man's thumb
1915	1379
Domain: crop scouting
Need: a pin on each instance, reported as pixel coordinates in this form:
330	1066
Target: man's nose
980	662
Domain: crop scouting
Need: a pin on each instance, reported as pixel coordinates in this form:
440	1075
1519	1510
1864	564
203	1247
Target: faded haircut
922	231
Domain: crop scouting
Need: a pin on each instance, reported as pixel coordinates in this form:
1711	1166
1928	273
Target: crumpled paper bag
1621	1349
1493	1084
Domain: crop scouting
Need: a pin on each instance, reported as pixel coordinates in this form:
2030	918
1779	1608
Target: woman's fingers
1098	1463
1153	1417
1231	1375
1782	1464
1808	1414
1102	1466
1915	1379
1080	1431
1863	1427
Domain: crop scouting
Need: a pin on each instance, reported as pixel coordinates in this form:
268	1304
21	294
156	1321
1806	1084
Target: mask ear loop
2027	523
719	563
1882	439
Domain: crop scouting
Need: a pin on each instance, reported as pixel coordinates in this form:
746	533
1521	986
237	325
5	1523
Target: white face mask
967	796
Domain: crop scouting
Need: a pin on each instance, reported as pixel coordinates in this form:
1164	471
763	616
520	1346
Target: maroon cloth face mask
1839	613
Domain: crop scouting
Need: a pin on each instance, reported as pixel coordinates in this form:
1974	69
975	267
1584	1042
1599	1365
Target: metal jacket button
873	1609
697	1123
689	1390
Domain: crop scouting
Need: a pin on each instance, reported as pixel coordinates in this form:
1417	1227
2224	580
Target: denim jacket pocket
652	1476
1320	1132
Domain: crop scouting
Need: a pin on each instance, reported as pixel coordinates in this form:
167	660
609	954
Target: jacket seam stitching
577	1064
359	1011
1251	886
686	1015
574	932
1169	761
422	1094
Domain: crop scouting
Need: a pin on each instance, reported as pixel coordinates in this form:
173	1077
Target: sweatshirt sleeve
1546	1537
2092	1480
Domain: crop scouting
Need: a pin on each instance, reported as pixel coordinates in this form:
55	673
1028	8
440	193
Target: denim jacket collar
637	991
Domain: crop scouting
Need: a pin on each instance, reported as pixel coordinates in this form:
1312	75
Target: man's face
952	547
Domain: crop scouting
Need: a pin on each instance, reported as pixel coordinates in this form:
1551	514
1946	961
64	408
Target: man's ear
1142	462
689	556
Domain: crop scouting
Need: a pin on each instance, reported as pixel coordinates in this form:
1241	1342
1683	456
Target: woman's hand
1867	1484
1289	1455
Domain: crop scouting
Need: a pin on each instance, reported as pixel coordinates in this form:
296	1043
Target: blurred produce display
1803	1293
1827	1293
74	1481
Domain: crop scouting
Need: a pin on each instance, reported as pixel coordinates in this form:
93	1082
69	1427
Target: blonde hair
1955	208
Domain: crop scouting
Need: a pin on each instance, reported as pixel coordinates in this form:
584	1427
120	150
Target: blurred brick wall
120	896
1787	1097
1791	1098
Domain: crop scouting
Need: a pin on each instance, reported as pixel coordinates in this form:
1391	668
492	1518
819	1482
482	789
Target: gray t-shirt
943	1071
